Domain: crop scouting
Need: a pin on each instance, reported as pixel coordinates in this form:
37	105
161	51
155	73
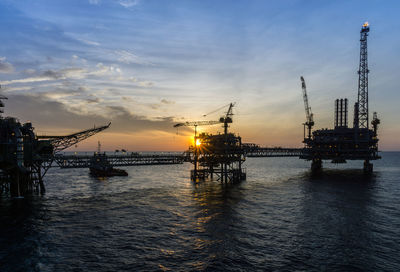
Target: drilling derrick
218	155
363	79
343	143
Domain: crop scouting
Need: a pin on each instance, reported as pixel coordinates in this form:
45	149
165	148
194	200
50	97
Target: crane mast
362	101
309	115
228	118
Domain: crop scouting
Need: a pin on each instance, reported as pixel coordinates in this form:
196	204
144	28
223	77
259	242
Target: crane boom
62	142
197	123
309	115
225	120
214	111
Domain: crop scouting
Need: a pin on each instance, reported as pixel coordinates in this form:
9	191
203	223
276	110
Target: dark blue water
280	219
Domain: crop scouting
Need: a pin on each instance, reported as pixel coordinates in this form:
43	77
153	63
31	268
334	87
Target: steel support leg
368	167
316	165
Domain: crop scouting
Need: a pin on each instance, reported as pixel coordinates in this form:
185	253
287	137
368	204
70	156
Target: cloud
52	74
88	42
93	99
69	73
128	99
83	88
76	59
145	84
28	80
167	102
48	75
56	116
128	3
82	38
163	102
5	67
154	106
128	57
29	71
16	89
94	2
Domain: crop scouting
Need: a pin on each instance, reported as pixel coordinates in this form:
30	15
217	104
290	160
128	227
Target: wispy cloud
68	73
29	71
82	38
128	57
94	2
16	89
167	102
128	3
141	83
48	75
145	84
5	67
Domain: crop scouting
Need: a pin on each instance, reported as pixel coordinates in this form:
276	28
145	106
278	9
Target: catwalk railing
133	159
83	161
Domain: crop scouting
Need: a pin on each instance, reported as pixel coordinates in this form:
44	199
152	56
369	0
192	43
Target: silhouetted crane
309	115
60	143
227	119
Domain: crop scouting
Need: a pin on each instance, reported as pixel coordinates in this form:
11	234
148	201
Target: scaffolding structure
218	156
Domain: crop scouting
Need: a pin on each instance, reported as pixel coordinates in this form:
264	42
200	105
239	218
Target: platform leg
316	165
368	167
41	183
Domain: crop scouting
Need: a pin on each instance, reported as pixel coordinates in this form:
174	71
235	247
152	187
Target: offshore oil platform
220	155
26	157
224	154
343	143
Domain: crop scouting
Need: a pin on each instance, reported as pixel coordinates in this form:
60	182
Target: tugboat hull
100	167
107	173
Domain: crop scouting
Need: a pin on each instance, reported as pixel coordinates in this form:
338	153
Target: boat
100	166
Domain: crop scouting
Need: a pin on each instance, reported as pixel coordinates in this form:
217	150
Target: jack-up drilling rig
25	157
343	143
221	155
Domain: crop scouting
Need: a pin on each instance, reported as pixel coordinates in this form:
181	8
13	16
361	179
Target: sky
145	65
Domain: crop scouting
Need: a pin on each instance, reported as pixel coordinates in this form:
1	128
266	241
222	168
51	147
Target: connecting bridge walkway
83	161
252	150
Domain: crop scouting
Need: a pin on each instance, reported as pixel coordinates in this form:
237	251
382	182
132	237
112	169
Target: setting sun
198	143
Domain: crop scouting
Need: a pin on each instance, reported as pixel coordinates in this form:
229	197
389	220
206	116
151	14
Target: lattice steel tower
363	79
